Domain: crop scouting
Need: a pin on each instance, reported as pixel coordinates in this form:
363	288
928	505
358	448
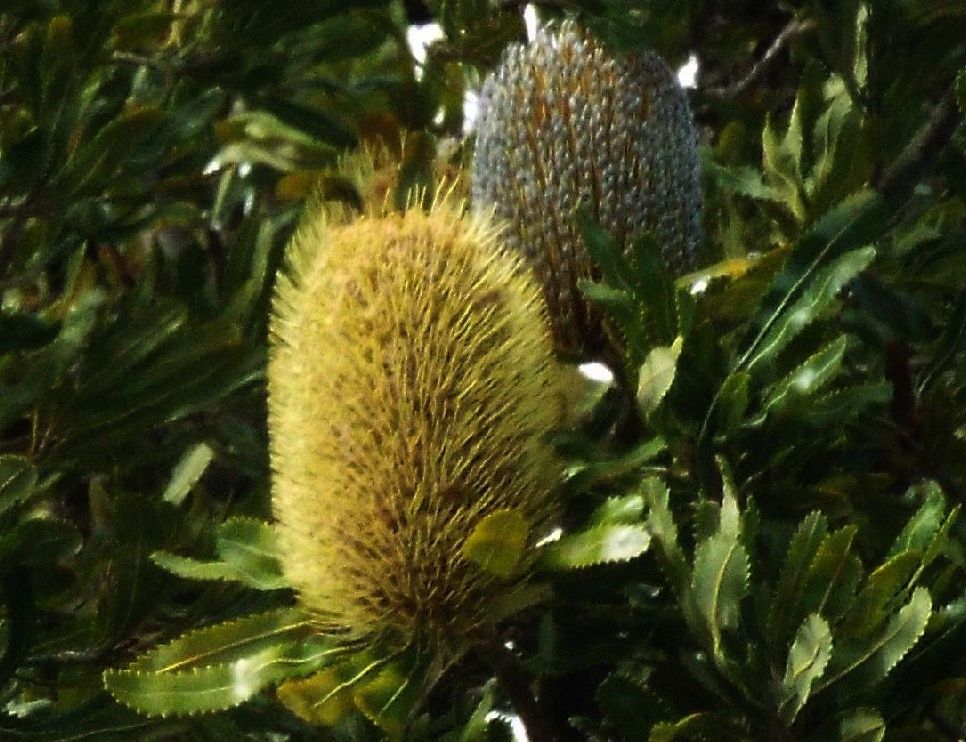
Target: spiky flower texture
411	391
564	123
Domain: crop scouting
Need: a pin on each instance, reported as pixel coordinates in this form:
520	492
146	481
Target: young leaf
598	545
498	542
807	658
657	375
187	473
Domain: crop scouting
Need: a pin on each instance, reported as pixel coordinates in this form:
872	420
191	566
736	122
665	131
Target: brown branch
897	181
793	29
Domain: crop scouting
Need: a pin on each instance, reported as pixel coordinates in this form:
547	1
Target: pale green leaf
807	659
191	569
498	542
657	375
249	554
250	547
187	472
624	509
862	725
598	545
922	527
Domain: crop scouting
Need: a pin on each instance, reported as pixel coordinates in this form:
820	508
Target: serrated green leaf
389	697
745	181
250	547
664	531
733	401
656	375
598	545
719	580
816	297
626	509
778	164
191	569
802	550
187	472
922	527
808	378
475	729
582	476
669	731
18	477
220	666
320	699
873	604
867	662
497	543
846	404
807	659
603	248
862	725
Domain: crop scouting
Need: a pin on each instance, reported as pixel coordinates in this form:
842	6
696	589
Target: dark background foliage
156	155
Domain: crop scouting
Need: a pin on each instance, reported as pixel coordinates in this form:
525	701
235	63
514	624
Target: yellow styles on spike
412	387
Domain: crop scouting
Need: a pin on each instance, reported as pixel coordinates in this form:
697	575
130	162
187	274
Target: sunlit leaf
657	375
598	545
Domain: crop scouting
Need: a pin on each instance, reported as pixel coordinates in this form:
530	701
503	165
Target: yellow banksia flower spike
412	388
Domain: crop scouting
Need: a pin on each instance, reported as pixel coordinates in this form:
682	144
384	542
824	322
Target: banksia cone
564	123
411	390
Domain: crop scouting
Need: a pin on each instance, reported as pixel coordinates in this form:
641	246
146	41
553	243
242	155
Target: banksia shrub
563	123
411	391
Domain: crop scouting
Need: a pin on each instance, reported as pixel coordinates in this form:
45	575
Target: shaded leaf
807	659
866	663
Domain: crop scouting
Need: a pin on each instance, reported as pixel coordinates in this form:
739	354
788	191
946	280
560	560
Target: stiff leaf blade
598	545
807	659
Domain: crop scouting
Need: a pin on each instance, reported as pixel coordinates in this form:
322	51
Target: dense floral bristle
411	390
564	123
